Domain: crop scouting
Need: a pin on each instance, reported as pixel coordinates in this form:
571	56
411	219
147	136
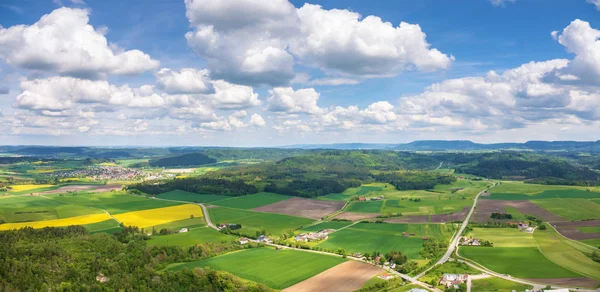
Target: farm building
450	280
264	239
385	276
312	236
244	240
183	230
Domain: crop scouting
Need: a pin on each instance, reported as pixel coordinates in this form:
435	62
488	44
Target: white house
244	240
183	230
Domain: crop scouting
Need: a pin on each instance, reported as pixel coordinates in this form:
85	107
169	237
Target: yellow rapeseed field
152	217
20	188
78	220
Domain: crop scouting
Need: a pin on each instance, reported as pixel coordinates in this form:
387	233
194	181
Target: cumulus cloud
501	2
64	42
257	120
288	100
254	42
596	3
232	96
186	81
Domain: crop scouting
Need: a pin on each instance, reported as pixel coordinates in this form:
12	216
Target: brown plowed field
353	216
308	208
439	218
485	208
570	282
587	223
573	233
348	276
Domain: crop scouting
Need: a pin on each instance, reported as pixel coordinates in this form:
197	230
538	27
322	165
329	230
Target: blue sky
283	73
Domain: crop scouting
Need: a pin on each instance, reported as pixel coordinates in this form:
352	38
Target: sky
280	72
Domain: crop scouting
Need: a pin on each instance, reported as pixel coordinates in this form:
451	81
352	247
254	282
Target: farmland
113	202
578	209
251	201
251	221
107	226
78	220
369	237
327	225
190	238
179	195
269	266
498	284
152	217
34	208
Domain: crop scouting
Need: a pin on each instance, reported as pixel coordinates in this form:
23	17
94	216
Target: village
102	173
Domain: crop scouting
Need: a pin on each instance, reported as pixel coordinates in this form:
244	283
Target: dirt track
439	218
348	276
301	207
485	208
353	216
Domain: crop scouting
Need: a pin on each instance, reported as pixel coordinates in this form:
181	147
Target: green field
567	253
572	209
369	237
274	224
113	202
504	237
108	226
335	197
252	201
524	192
517	215
327	225
276	268
592	242
194	236
494	284
591	229
176	225
520	262
28	208
179	195
365	207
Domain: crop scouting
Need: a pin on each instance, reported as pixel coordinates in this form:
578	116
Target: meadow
190	238
327	225
384	237
152	217
78	220
365	207
179	195
278	269
493	284
251	201
108	226
113	202
572	208
35	208
184	223
275	224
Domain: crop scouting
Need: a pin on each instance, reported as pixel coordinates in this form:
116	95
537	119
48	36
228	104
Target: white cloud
286	100
257	120
186	81
595	2
231	96
380	112
501	2
64	42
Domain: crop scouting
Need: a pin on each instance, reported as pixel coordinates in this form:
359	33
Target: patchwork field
252	201
113	202
275	224
572	208
382	237
179	195
78	220
152	217
302	207
187	223
278	269
486	207
348	276
33	208
190	238
327	225
365	207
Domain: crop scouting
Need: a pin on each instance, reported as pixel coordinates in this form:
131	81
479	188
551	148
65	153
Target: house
264	239
425	238
404	234
244	240
221	226
393	266
361	199
450	280
523	225
385	276
183	230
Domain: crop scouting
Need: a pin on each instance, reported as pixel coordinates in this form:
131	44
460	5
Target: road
454	243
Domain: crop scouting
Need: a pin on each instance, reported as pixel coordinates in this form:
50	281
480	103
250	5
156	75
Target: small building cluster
263	239
367	199
244	240
313	236
385	276
183	230
525	227
469	241
453	280
111	173
231	226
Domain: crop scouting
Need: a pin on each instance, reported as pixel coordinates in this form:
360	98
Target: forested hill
188	159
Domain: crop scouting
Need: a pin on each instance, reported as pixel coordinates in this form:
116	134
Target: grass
327	225
365	207
179	195
252	201
152	217
494	284
559	250
370	237
517	215
589	229
16	209
185	223
278	269
79	220
113	202
563	193
520	262
335	197
273	224
107	226
572	208
592	242
504	237
194	236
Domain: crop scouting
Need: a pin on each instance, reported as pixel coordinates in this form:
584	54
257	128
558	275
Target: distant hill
189	159
462	145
